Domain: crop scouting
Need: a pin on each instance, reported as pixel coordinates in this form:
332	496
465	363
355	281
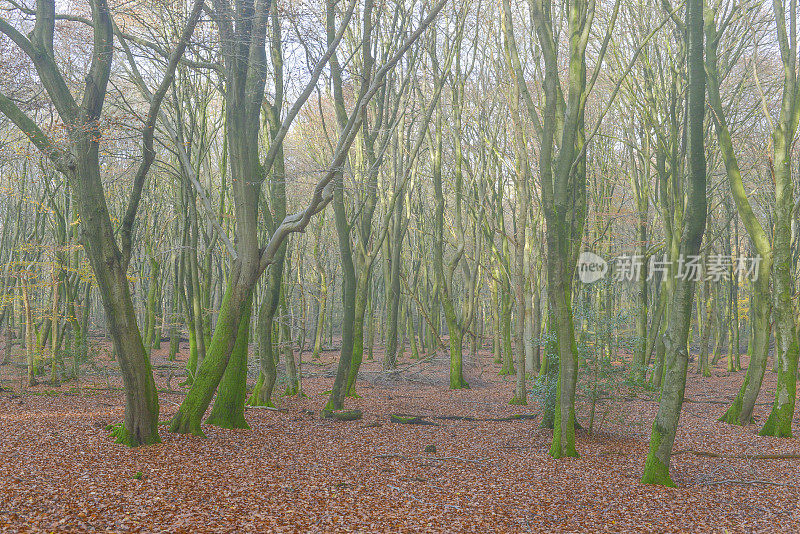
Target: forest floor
295	472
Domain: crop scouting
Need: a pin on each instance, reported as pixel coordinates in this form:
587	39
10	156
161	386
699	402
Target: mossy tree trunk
371	328
444	271
151	329
268	374
741	410
322	290
505	321
536	320
339	389
342	224
362	295
706	309
520	390
640	180
393	284
245	79
563	200
228	409
293	386
262	392
497	333
210	372
779	422
79	162
656	470
30	328
243	44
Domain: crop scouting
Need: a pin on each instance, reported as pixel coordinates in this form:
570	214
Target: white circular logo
591	267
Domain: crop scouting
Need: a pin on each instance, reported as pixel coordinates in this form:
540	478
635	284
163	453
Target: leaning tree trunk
228	410
141	398
741	411
80	163
362	296
656	470
209	374
779	422
339	389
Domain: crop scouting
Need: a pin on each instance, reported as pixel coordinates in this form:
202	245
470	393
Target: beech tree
676	357
78	159
367	194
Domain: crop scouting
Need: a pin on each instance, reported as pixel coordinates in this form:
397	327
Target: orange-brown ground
295	472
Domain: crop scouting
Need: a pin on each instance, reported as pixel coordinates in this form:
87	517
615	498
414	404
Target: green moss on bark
563	445
258	394
732	415
122	436
655	471
191	363
456	358
187	419
779	422
228	411
516	401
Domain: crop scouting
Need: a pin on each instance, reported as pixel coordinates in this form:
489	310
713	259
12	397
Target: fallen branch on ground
725	402
424	359
410	420
421	419
437	458
756	481
768	456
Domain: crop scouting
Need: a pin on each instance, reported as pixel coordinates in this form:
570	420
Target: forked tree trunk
228	410
209	374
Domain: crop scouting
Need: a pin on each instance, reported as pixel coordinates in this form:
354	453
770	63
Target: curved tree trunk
228	410
662	437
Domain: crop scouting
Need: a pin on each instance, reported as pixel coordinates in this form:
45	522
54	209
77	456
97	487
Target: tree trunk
268	374
393	295
779	422
656	470
209	373
228	410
